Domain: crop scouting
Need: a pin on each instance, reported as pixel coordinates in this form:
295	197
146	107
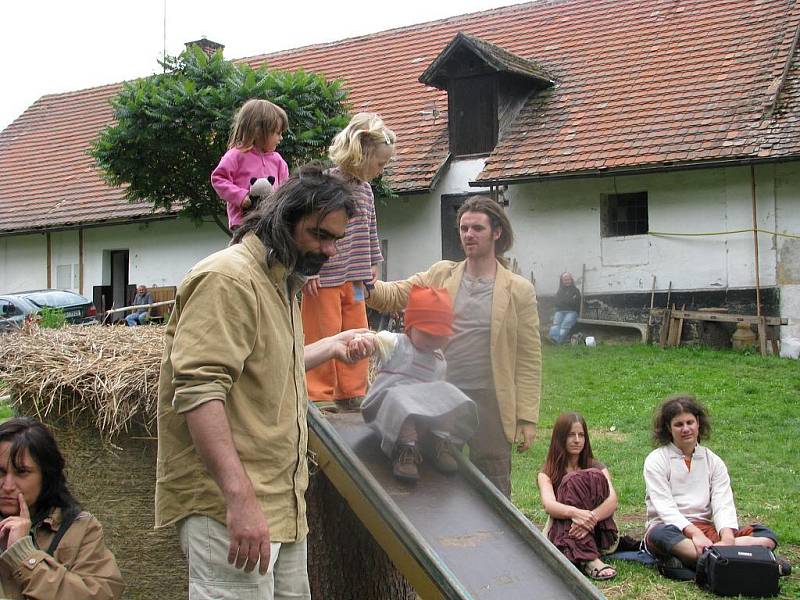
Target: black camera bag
734	570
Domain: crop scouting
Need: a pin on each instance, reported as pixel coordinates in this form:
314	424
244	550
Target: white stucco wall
23	263
558	228
160	253
787	209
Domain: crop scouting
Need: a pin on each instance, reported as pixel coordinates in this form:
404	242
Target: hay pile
97	387
108	374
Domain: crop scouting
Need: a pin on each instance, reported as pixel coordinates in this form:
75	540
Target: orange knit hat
429	310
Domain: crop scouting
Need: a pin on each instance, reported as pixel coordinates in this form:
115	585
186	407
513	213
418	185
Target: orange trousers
333	310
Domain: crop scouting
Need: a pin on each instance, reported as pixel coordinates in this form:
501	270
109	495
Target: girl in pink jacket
256	132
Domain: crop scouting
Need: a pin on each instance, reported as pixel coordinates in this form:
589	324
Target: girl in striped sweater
333	301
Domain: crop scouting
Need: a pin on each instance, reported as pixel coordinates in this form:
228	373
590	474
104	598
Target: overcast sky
56	46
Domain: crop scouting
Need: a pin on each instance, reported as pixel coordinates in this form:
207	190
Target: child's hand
246	203
311	286
360	346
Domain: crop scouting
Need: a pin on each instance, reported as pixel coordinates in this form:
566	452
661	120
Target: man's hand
701	542
17	527
311	286
249	534
525	434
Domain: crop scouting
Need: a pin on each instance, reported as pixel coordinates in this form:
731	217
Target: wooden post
650	315
762	335
665	322
755	241
679	334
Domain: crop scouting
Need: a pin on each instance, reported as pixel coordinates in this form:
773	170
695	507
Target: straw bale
97	388
108	373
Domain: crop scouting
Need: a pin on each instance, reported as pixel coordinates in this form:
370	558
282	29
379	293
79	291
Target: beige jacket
236	335
82	568
515	342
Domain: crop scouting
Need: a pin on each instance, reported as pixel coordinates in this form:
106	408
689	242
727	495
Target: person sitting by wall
140	316
50	547
579	498
689	498
568	304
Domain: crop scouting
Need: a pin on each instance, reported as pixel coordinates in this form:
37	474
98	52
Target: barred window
624	214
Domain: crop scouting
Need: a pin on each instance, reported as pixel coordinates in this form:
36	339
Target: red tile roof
652	84
639	84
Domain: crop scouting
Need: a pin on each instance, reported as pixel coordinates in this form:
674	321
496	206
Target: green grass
754	404
6	410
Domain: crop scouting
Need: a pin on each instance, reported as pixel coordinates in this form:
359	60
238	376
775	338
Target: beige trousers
205	544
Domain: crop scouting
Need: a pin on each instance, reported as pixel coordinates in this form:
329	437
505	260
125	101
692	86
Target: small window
624	214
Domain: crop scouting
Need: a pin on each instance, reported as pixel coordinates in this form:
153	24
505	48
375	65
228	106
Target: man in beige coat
495	354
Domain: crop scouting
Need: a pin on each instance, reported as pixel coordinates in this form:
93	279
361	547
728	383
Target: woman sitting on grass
50	548
689	498
579	498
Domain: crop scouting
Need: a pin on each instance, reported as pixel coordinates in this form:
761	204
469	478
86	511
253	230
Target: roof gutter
86	225
662	168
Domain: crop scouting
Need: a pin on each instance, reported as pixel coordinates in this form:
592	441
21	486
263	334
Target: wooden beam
698	315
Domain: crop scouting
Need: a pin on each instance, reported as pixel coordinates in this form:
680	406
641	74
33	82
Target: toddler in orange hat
410	405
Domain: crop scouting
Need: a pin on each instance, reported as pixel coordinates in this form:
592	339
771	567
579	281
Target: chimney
206	45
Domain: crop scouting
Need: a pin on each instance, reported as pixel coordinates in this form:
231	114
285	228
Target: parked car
15	308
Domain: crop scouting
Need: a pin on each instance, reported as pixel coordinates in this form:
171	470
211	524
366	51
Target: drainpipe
755	240
49	261
80	261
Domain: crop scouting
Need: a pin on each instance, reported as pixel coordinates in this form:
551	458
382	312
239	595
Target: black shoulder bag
738	570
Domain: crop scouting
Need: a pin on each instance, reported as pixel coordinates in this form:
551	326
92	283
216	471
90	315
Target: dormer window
486	87
472	115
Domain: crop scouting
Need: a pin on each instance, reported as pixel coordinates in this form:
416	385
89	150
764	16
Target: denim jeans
563	322
134	319
205	544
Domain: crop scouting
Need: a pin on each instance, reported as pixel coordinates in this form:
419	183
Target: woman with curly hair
689	497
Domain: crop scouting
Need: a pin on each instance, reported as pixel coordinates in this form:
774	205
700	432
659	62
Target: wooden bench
162	312
672	325
642	328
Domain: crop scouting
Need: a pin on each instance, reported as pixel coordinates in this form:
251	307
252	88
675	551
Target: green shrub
52	318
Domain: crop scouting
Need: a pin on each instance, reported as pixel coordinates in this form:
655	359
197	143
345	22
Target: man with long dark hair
494	355
232	434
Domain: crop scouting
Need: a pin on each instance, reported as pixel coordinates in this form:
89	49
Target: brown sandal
596	572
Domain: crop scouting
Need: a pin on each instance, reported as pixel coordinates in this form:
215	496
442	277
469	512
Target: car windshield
55	298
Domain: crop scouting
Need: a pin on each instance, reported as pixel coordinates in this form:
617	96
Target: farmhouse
629	140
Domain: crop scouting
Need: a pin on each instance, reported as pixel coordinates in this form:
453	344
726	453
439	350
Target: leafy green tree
171	129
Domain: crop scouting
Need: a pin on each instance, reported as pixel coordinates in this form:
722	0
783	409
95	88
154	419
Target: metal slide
453	537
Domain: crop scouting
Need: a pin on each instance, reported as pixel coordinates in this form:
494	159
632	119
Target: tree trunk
344	562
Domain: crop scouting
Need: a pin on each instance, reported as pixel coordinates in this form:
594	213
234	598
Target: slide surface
451	536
